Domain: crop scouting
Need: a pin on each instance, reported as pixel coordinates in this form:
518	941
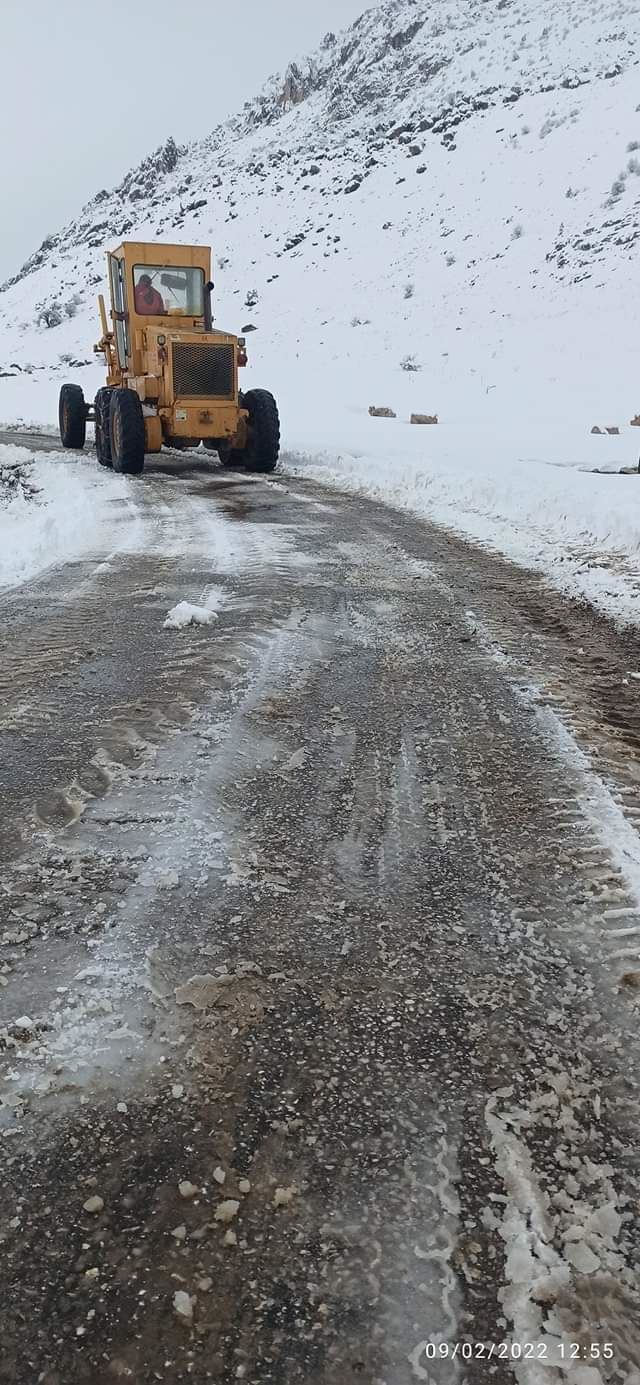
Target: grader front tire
263	447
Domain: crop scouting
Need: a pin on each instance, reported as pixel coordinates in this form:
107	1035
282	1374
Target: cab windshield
161	290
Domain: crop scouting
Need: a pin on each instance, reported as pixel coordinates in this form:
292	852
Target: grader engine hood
195	365
202	369
197	381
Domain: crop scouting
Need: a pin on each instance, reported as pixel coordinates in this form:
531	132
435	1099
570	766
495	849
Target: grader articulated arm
105	345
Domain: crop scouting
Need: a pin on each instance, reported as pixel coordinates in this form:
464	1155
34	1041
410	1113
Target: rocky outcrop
143	181
34	262
296	87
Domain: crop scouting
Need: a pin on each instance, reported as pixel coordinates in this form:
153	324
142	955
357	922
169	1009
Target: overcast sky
88	89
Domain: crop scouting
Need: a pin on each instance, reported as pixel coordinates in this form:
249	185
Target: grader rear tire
126	432
102	410
72	417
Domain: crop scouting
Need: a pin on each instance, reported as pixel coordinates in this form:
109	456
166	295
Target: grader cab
172	378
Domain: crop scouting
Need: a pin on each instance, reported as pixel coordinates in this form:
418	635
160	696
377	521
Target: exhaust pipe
208	315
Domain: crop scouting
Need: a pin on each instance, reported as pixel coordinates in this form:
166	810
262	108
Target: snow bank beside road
535	499
68	513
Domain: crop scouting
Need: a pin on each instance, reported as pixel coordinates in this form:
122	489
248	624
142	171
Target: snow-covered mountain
438	210
431	136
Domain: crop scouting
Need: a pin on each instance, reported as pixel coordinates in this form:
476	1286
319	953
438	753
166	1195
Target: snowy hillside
438	211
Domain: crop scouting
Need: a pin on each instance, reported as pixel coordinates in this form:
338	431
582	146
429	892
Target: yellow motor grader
172	377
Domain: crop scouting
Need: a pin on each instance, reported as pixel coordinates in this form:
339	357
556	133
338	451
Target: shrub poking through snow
410	363
16	480
52	314
49	315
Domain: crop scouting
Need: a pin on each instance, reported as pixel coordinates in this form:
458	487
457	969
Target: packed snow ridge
55	510
438	212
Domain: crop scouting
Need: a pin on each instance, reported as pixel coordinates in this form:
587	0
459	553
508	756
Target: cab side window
119	297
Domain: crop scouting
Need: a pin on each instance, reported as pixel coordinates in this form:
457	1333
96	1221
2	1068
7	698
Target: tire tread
126	410
264	422
72	417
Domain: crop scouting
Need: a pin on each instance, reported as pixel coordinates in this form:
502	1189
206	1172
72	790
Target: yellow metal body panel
215	421
103	315
152	433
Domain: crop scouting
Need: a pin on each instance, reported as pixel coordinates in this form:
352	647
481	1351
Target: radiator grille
202	370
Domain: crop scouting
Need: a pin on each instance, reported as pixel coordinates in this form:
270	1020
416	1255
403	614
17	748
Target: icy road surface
320	955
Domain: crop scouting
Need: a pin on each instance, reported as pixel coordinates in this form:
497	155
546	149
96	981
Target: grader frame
172	378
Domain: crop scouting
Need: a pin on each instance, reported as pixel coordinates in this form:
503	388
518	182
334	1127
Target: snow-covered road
320	954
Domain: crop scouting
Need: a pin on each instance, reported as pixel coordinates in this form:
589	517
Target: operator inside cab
147	299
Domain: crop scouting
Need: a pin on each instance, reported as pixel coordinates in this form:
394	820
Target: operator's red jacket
148	301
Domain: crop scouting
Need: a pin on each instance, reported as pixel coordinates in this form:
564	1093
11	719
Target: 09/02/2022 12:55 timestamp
553	1353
